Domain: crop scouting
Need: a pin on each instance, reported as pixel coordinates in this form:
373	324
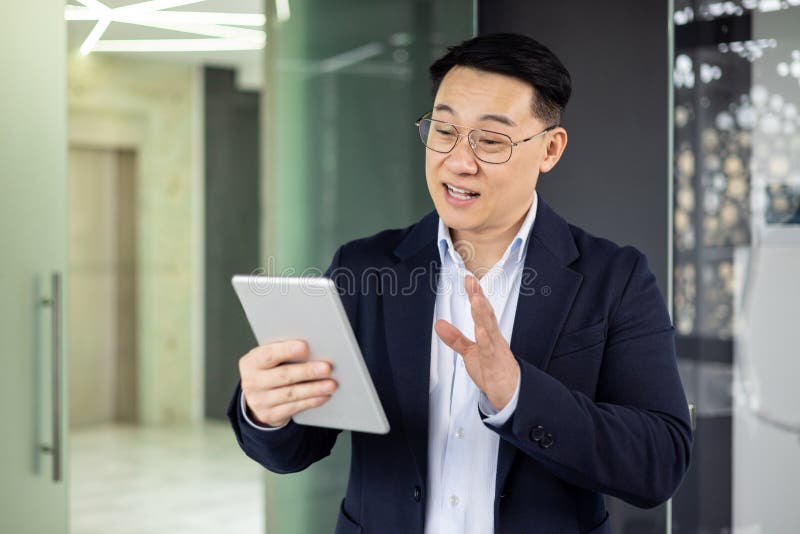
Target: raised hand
488	360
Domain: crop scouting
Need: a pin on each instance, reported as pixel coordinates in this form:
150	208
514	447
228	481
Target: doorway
102	293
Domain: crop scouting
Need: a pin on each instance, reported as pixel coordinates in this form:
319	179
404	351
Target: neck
481	250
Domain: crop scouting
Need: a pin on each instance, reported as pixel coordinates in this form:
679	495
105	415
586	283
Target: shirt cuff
499	418
251	423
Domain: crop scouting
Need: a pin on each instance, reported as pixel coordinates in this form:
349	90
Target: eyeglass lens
442	137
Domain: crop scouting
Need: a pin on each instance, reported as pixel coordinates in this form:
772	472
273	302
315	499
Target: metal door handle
55	331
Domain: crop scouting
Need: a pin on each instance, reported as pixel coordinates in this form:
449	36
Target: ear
556	143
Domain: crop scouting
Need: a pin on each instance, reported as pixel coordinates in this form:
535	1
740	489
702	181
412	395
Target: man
525	366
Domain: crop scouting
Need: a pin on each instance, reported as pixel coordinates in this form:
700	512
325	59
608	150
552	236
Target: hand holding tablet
276	390
308	366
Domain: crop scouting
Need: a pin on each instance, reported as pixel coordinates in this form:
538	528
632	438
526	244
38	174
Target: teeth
462	194
457	190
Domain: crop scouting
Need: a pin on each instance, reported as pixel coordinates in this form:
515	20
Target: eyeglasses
488	146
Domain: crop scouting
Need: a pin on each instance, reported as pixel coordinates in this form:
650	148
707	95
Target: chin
458	220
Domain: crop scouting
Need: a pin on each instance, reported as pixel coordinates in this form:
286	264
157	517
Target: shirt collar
517	247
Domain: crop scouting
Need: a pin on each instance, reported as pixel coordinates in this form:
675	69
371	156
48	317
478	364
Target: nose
461	160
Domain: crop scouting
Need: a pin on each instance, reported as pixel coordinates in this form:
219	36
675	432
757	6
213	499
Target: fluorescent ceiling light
208	30
203	17
282	10
221	26
95	5
177	17
175	45
154	5
94	35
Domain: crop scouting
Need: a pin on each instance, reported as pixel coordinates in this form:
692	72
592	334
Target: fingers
481	308
299	392
292	373
275	384
268	405
486	327
287	382
281	414
452	336
274	354
482	312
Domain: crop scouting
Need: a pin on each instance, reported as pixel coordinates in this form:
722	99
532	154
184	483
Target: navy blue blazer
601	407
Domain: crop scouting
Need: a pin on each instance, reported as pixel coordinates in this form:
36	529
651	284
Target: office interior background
151	150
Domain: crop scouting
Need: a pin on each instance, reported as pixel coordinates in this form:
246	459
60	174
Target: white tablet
280	308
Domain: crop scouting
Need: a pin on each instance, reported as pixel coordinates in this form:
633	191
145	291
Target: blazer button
417	493
547	441
537	433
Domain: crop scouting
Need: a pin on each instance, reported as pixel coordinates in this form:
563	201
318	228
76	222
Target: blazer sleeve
294	447
287	450
633	441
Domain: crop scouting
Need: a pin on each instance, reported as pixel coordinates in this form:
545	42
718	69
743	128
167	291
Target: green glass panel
345	82
33	245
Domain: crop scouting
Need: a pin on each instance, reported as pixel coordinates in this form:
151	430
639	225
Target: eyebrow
502	119
498	118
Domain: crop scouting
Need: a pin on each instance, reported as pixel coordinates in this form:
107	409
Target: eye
444	131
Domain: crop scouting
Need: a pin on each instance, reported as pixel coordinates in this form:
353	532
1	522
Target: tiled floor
130	479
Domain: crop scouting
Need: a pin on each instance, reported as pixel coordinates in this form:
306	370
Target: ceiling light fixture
175	45
222	27
94	35
282	10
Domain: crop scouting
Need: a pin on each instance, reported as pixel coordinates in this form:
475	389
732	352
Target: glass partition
736	256
345	82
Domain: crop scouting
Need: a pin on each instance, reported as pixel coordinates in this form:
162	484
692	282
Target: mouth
458	193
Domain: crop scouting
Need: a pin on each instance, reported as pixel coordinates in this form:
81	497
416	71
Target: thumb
452	336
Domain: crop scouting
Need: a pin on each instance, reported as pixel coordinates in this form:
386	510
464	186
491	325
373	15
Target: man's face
477	99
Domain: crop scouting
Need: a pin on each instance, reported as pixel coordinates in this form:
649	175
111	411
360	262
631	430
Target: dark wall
231	228
613	179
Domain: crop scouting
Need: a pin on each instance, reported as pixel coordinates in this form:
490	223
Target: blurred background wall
614	177
232	213
148	110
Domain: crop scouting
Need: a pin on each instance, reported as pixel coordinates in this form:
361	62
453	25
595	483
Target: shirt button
460	433
453	500
417	493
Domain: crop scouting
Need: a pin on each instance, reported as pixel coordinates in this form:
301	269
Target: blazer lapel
547	292
408	319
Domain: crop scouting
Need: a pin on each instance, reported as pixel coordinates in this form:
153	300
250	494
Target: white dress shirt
462	452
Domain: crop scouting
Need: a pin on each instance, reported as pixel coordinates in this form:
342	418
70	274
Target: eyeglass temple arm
535	135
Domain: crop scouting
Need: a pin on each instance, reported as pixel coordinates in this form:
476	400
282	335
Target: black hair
518	56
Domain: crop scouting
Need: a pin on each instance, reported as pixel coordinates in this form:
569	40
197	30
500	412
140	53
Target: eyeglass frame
427	116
